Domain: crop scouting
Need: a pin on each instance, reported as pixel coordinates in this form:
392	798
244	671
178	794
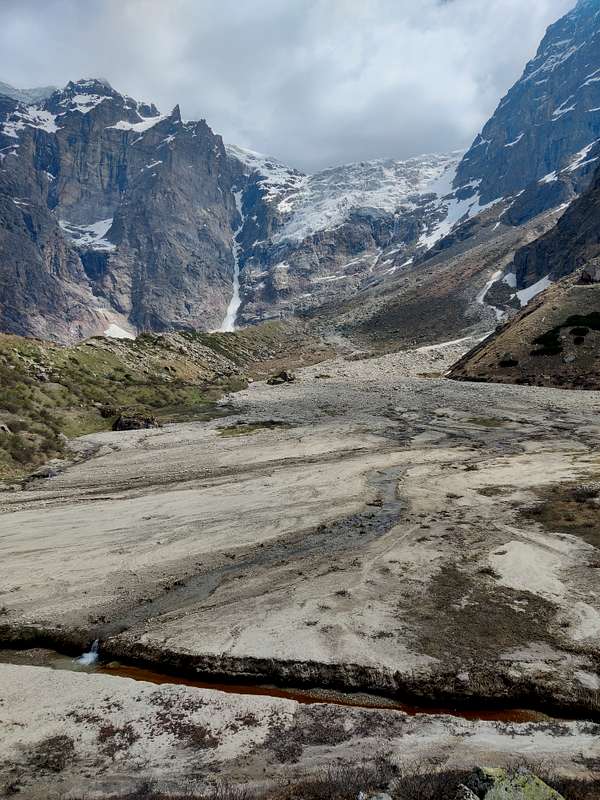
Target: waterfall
228	324
89	658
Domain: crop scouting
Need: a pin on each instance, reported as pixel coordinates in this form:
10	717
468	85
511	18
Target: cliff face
571	244
111	214
548	123
120	219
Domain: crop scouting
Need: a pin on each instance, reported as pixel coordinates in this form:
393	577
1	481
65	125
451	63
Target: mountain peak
98	86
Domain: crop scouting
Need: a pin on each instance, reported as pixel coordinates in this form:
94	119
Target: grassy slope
554	341
49	392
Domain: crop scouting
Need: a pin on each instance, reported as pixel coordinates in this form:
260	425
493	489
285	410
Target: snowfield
325	199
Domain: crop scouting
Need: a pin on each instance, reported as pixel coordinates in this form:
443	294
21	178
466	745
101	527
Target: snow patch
116	332
593	77
525	295
31	117
516	141
92	236
550	59
564	109
144	124
454	211
151	165
581	158
83	103
480	299
328	278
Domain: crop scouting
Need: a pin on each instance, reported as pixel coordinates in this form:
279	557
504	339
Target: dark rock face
548	123
135	423
285	376
114	217
111	214
571	244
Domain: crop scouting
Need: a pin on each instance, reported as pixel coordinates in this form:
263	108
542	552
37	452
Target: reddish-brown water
54	660
310	696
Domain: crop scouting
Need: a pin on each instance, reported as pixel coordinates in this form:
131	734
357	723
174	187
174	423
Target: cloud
314	82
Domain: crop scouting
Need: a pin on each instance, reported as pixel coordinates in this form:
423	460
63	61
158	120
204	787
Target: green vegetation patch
50	393
486	422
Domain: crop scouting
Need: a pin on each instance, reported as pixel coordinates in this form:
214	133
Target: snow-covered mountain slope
308	238
324	200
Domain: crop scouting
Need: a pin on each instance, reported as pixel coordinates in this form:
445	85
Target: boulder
590	274
464	793
285	376
501	784
135	422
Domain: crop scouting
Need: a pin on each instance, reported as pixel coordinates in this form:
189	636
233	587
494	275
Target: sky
312	82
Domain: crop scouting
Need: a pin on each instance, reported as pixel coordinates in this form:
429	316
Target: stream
228	324
90	663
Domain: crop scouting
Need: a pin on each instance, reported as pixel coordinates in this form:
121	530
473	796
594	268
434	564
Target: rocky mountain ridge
541	146
553	341
99	185
117	218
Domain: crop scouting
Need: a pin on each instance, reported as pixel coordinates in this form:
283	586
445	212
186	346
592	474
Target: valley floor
369	528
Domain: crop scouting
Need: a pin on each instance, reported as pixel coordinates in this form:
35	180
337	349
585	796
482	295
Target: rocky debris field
370	527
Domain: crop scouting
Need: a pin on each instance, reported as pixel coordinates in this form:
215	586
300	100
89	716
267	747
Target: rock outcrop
500	784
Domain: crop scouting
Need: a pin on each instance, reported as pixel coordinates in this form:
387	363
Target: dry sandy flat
373	540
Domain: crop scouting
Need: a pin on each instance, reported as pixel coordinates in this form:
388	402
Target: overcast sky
314	82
